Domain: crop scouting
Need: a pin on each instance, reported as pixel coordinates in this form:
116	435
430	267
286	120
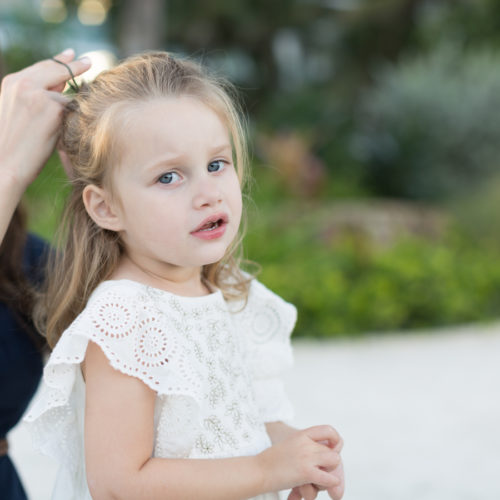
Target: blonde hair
89	254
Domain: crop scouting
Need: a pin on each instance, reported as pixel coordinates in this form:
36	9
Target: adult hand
31	109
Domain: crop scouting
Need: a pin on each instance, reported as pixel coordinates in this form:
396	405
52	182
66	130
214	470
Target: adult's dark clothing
21	367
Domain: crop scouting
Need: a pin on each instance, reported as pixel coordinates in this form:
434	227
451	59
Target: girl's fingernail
67	52
85	60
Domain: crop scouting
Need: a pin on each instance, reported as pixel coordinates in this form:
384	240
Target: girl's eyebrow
167	160
221	148
175	160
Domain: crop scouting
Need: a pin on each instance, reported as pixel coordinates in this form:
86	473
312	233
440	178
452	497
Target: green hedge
351	286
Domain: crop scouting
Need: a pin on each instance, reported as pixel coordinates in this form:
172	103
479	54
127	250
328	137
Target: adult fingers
50	74
58	97
66	56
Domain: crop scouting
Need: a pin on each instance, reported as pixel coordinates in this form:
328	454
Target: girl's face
178	194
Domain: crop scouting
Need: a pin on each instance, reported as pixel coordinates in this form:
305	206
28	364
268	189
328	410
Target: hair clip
73	85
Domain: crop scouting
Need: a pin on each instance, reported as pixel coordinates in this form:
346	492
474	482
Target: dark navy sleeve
21	365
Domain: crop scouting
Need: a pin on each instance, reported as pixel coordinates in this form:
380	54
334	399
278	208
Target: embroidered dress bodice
214	365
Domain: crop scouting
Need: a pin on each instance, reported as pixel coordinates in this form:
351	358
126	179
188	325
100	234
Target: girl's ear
100	209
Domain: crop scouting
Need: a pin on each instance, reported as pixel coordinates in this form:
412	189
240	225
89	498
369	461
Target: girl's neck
180	281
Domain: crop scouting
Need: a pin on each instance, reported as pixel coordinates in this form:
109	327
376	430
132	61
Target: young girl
164	382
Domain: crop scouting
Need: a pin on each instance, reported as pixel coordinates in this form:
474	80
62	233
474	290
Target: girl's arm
31	106
119	436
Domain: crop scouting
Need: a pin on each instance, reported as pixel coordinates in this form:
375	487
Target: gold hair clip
73	85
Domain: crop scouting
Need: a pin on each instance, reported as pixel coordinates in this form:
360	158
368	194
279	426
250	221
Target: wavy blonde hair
88	254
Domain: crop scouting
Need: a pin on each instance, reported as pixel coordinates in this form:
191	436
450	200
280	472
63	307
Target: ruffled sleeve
266	324
138	340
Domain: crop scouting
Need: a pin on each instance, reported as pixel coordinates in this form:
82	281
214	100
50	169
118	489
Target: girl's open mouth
212	227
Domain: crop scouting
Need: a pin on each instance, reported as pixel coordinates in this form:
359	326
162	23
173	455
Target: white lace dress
216	373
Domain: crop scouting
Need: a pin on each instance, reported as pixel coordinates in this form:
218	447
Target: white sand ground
419	413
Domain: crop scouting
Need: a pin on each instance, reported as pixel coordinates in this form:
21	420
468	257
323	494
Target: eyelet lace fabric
215	367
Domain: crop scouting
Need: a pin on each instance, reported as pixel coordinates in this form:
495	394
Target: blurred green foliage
351	285
351	99
45	198
430	127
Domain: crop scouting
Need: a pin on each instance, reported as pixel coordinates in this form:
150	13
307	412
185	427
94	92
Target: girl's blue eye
216	166
168	178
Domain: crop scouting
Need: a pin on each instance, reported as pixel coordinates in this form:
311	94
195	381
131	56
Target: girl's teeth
212	227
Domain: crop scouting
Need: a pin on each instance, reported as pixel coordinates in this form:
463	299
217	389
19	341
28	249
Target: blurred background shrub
429	127
375	271
375	141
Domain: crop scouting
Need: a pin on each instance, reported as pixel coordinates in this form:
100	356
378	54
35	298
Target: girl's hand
306	492
336	492
310	491
300	459
278	431
31	108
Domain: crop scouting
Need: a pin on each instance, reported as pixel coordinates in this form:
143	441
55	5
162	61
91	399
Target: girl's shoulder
143	332
266	323
127	316
266	311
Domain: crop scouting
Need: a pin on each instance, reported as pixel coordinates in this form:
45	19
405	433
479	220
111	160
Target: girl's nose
207	193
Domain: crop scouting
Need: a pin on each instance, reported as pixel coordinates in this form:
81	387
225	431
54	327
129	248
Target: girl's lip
222	217
211	234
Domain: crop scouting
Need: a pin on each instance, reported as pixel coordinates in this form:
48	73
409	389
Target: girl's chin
214	260
213	256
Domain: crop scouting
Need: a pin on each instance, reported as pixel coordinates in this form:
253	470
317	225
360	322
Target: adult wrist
11	183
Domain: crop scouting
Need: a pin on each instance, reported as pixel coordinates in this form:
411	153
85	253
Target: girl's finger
323	433
329	460
324	479
294	494
335	446
337	492
308	491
